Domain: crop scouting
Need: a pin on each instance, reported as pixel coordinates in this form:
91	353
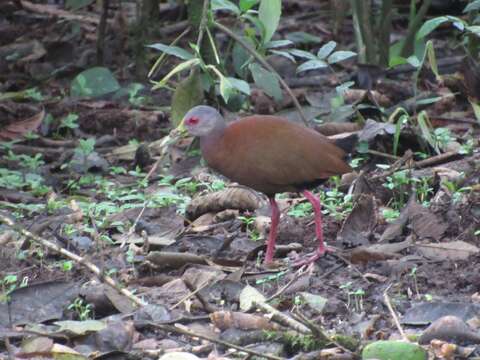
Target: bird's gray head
202	120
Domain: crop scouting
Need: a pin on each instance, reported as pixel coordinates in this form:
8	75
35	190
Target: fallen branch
282	318
78	259
183	331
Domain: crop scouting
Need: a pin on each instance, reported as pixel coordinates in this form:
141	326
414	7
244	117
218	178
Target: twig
262	61
192	293
393	313
434	160
298	274
179	330
203	23
102	27
78	259
282	318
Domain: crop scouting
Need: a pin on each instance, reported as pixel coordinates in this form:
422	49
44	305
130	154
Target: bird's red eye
193	121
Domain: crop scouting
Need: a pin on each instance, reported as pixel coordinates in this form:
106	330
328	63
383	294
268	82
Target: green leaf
338	56
179	68
240	85
189	93
326	50
173	50
475	29
225	5
414	61
266	81
473	6
432	24
284	54
312	65
277	43
302	54
300	37
94	82
241	57
269	14
246	5
226	88
432	58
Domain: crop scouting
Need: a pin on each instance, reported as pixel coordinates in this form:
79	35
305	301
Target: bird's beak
181	129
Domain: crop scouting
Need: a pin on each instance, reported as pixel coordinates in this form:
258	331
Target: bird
271	155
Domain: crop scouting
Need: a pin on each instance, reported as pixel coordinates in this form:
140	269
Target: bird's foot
317	255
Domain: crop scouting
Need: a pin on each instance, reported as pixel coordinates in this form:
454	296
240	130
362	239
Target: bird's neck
208	142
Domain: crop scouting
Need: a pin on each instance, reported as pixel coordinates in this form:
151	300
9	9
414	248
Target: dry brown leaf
18	129
454	250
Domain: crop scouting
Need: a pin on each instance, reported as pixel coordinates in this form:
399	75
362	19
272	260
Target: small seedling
358	296
413	275
85	146
69	122
187	184
82	310
66	265
301	210
249	221
390	215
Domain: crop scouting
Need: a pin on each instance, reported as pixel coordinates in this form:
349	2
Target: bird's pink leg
272	236
317	209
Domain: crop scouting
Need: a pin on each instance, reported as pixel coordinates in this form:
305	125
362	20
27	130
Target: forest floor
183	275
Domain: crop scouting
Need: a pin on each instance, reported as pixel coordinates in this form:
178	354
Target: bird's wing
269	150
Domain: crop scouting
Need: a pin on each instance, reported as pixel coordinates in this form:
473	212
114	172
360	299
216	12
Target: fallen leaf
454	250
18	129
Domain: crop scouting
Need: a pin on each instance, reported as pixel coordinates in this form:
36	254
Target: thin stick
78	259
179	330
269	67
189	295
393	313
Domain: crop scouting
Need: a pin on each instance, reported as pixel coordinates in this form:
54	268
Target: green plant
9	284
390	214
336	203
133	94
32	163
66	265
397	182
251	43
423	188
249	222
413	275
69	122
85	146
30	135
117	170
358	297
82	310
187	184
301	210
324	57
456	192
